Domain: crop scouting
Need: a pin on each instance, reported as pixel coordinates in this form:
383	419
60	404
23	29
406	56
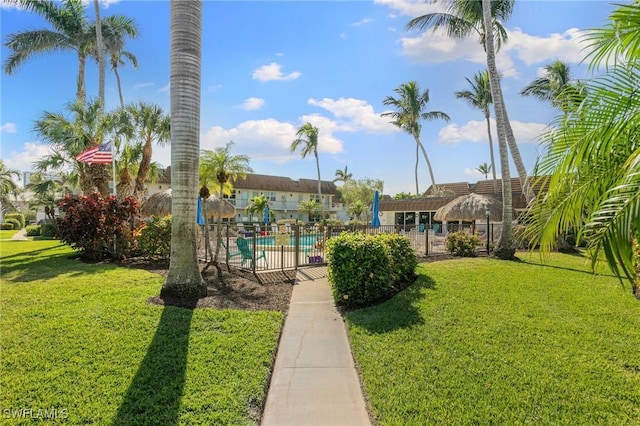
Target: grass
483	341
82	339
6	234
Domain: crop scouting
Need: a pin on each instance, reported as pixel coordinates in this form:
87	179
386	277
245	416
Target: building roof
284	184
272	183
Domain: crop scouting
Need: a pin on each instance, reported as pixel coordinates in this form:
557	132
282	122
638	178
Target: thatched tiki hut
159	204
469	208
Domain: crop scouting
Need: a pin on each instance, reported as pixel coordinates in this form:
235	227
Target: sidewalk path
314	380
21	235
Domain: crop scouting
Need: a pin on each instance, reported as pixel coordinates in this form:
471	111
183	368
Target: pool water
305	240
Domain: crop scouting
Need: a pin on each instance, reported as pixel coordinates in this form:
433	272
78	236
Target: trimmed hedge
49	230
462	244
364	268
14	222
34	230
155	237
6	226
16	216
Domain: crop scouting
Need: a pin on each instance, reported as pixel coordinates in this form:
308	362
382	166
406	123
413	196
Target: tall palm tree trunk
143	171
493	161
505	248
416	170
184	279
81	93
119	84
319	186
426	158
517	160
100	53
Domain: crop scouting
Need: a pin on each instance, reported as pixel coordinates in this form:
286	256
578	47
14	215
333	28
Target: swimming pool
305	240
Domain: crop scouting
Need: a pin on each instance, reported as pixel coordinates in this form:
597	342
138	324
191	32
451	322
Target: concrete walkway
314	380
21	235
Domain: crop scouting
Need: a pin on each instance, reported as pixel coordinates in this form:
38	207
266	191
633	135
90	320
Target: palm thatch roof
470	207
159	204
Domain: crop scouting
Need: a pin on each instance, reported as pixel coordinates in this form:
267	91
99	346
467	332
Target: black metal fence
261	248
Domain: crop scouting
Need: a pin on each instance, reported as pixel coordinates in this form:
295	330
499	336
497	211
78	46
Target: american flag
97	155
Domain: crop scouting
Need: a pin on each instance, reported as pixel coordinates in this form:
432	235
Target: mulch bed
237	290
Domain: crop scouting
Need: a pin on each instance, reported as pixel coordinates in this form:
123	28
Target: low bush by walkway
81	342
484	341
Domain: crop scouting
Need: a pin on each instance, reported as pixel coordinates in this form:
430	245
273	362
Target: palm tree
115	29
184	279
479	97
484	168
342	175
221	167
150	124
307	138
556	86
69	138
593	156
71	31
506	247
409	110
357	209
7	186
311	207
464	18
257	205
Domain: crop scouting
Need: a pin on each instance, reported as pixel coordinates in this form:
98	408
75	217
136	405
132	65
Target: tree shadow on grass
155	393
27	269
568	268
397	313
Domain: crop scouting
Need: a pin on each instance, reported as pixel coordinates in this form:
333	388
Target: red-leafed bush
98	228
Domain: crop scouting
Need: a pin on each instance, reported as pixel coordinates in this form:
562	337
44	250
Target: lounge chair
247	253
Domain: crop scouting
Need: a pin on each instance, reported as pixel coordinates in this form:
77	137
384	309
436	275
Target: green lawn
483	341
82	339
6	234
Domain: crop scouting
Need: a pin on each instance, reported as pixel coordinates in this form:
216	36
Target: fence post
296	246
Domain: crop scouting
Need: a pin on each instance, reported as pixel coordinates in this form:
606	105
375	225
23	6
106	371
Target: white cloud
279	54
24	160
476	131
8	128
410	8
252	104
165	88
356	114
6	5
272	72
436	47
139	86
535	49
362	22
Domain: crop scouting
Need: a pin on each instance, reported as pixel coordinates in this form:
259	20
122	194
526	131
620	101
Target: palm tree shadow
154	394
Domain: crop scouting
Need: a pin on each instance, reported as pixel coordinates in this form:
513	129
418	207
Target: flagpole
113	166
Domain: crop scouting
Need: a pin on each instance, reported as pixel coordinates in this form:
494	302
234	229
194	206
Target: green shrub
359	268
6	226
14	222
49	230
34	230
402	256
16	216
461	243
155	237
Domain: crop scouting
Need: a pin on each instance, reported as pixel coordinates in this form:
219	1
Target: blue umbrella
265	215
375	221
199	215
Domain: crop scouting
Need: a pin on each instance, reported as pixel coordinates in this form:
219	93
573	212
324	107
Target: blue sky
270	66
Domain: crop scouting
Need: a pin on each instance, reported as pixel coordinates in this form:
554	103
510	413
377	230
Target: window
270	195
